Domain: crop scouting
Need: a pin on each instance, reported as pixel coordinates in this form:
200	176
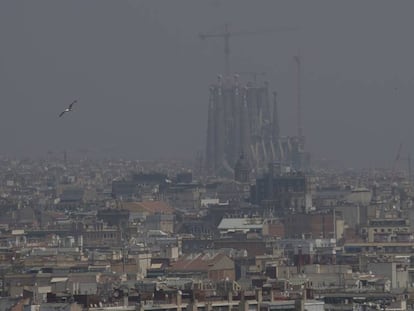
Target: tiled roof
150	207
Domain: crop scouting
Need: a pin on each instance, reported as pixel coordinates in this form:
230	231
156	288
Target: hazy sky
141	74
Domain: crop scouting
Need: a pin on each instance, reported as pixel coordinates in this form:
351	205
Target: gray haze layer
141	74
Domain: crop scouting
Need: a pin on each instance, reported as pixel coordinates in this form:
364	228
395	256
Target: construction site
243	120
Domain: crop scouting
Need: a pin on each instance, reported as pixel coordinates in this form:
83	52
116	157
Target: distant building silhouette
242	120
242	170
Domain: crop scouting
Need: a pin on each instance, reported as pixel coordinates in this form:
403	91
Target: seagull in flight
70	108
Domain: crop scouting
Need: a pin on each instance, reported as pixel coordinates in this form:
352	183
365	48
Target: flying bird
70	108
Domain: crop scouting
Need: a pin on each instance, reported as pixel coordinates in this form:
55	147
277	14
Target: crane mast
298	91
226	34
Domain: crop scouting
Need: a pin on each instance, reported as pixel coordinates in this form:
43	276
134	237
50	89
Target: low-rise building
209	265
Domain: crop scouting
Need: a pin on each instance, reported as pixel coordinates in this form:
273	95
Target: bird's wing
62	113
71	105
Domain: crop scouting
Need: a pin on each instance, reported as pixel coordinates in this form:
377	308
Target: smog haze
141	74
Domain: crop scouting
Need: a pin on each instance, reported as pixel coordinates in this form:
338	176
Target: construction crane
394	164
227	34
299	103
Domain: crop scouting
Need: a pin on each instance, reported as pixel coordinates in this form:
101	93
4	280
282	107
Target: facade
396	272
319	225
184	196
97	234
283	193
310	305
114	216
71	197
387	230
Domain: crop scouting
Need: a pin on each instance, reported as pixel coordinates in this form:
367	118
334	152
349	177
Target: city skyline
142	74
